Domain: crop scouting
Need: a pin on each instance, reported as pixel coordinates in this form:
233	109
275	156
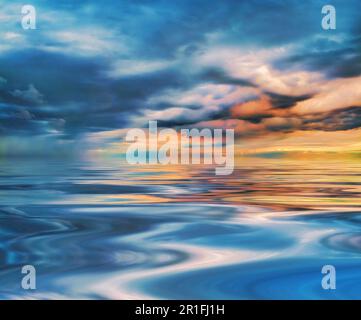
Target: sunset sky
265	68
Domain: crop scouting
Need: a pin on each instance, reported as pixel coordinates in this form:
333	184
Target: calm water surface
101	229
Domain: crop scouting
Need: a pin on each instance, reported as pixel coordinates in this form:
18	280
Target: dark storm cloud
344	119
18	120
280	101
219	76
77	90
335	62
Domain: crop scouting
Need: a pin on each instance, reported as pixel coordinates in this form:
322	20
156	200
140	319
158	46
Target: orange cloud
252	108
261	108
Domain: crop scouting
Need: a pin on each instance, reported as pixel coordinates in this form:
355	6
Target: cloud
241	128
206	95
333	95
31	94
128	67
3	82
86	41
282	124
204	101
93	67
344	119
334	55
257	67
171	116
253	109
260	117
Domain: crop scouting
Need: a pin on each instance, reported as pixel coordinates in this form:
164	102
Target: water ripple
108	232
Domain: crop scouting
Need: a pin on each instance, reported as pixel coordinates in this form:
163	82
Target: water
102	230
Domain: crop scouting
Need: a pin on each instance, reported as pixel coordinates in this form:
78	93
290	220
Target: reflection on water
101	229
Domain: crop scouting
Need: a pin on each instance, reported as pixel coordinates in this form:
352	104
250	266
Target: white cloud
335	94
208	95
169	114
84	41
256	66
211	98
127	67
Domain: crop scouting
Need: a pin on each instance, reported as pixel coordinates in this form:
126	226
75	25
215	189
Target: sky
265	68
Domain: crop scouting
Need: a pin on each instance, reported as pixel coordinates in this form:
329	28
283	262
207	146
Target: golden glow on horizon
298	141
